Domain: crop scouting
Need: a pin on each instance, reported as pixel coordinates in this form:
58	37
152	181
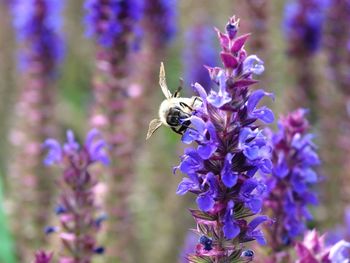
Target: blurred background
314	76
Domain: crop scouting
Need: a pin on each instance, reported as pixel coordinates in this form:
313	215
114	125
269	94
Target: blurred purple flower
163	13
43	257
188	247
76	208
38	24
109	21
94	148
303	24
340	252
199	52
294	157
312	249
231	149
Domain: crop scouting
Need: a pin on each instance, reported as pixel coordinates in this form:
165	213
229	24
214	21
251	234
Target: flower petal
205	201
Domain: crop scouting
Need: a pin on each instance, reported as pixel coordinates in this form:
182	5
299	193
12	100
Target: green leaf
199	259
202	215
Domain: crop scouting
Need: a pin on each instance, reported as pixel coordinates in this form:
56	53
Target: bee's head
176	116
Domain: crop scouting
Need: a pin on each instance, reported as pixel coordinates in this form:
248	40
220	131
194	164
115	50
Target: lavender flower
337	43
161	16
112	21
303	25
294	158
115	26
78	211
230	150
199	51
38	24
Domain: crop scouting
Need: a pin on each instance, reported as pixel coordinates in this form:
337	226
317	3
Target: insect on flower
175	111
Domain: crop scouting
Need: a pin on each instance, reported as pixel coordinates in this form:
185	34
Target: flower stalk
230	150
114	25
76	208
294	158
37	24
303	26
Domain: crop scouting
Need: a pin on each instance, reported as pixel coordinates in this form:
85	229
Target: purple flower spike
77	211
231	149
303	24
38	24
294	157
108	21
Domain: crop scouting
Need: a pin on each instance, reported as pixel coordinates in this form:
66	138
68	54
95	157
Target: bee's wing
162	82
153	126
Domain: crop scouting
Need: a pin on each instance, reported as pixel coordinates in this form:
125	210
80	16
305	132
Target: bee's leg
183	104
195	99
179	88
177	131
184	127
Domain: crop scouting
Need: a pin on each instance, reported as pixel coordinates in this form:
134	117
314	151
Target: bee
174	111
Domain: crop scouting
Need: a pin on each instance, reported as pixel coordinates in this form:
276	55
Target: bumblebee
174	111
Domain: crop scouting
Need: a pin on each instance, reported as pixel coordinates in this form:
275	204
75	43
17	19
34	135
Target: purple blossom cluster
76	209
113	20
303	25
231	149
162	14
294	158
38	24
200	50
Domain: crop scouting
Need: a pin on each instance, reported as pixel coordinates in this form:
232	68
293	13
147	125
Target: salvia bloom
294	158
76	209
114	25
303	24
162	15
200	50
230	150
112	20
314	250
38	24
